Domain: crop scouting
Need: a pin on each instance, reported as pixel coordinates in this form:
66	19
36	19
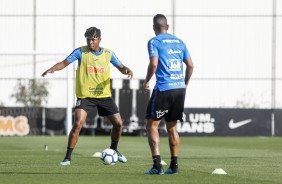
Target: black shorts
105	106
166	104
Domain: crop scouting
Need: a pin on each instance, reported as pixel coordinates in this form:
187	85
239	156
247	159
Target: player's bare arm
152	67
189	70
125	70
59	66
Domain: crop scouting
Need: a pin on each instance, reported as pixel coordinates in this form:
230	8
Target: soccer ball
109	157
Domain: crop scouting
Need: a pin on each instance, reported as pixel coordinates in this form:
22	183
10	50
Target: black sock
157	162
173	162
114	145
69	152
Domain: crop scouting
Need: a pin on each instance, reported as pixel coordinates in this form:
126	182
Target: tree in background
32	93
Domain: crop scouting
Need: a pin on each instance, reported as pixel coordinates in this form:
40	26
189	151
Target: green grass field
246	160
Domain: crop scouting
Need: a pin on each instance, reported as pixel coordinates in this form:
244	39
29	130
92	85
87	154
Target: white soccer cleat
121	157
65	162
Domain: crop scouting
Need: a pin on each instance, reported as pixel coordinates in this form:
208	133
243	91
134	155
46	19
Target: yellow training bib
93	74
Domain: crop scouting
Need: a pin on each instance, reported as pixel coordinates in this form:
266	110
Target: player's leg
154	142
116	121
108	108
175	113
173	139
80	117
153	136
153	122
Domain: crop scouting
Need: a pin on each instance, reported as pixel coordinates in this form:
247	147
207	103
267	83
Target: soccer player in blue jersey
167	55
93	88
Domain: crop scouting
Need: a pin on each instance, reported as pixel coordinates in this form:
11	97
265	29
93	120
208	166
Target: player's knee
150	128
118	124
78	125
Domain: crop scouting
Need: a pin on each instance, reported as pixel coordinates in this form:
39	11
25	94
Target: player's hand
129	73
47	71
146	85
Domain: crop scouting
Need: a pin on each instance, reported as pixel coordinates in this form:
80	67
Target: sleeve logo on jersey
174	65
151	47
170	51
95	70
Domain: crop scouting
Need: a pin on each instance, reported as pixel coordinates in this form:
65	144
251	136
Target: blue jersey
171	52
76	55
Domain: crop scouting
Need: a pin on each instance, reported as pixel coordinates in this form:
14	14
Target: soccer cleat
65	162
121	157
154	171
171	171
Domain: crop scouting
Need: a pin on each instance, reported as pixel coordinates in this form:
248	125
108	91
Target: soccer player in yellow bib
93	88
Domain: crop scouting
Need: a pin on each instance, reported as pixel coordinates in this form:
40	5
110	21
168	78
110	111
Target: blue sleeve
75	55
152	48
114	60
186	53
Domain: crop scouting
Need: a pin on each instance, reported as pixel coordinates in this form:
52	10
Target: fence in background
197	122
234	49
132	105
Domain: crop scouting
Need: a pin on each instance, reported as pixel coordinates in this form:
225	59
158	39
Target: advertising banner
20	121
225	122
278	122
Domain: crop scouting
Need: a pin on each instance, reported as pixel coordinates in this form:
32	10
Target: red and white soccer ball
109	157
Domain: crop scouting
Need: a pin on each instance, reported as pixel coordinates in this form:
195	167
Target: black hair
92	32
159	21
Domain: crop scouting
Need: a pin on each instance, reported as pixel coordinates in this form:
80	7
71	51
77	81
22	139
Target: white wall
230	42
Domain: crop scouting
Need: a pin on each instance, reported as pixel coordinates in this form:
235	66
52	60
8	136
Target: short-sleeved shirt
76	55
93	73
171	52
